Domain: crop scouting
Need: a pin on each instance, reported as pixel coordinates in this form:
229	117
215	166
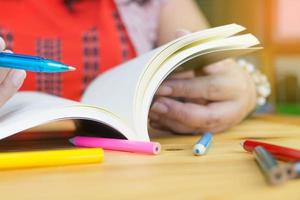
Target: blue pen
32	63
203	143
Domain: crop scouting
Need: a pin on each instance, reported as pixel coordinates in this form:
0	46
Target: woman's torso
92	37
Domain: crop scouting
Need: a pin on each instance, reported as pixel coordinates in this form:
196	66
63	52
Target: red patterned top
92	38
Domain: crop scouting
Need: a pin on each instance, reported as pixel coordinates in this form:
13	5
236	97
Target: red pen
279	152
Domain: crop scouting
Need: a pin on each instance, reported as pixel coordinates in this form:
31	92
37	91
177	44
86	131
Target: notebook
120	99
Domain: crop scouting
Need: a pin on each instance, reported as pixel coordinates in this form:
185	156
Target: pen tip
71	68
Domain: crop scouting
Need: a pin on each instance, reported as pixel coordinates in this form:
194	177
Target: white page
143	103
116	89
172	47
163	73
28	109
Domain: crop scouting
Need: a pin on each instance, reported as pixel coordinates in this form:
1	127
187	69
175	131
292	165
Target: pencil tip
242	143
71	140
71	68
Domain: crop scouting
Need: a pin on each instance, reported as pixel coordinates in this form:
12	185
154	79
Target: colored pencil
15	160
279	152
202	144
273	173
118	144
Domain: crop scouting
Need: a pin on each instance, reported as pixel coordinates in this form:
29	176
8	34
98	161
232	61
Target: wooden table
226	172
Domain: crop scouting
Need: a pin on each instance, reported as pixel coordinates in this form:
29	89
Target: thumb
219	67
2	44
181	32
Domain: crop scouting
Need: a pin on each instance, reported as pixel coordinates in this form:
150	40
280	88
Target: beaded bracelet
263	88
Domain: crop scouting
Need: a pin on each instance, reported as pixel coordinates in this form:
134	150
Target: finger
197	101
4	71
2	44
153	116
181	32
212	88
182	75
11	84
217	129
7	51
166	123
155	130
156	125
195	116
219	67
176	127
192	89
173	126
163	123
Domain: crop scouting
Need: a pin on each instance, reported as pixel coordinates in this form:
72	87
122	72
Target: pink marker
117	144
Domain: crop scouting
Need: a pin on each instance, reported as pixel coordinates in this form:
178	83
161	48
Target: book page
118	90
194	62
115	90
29	109
149	85
120	98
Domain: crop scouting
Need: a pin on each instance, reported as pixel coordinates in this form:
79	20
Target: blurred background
277	25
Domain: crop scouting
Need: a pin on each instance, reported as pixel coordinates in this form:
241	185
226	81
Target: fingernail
154	116
17	77
181	32
165	90
218	67
159	108
2	44
155	125
7	51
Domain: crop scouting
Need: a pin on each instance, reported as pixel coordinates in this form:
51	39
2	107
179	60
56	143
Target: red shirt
91	38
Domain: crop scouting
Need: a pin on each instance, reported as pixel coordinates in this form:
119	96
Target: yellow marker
15	160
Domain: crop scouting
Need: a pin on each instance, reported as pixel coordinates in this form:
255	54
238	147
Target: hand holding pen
10	79
13	66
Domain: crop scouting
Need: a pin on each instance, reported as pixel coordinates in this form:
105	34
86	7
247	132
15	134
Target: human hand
215	101
10	79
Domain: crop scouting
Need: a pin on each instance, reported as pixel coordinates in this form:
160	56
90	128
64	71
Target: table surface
226	172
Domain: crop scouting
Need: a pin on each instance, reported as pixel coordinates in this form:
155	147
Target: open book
121	98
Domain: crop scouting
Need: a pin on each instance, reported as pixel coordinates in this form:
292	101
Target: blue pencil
202	145
32	63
